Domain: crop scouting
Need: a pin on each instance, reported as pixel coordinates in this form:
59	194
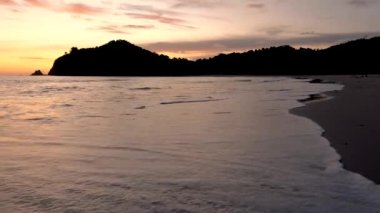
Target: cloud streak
255	4
160	18
275	30
112	29
249	43
134	26
154	14
198	3
362	3
123	29
147	9
33	58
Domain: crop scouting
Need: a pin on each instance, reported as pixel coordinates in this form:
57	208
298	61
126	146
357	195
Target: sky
33	33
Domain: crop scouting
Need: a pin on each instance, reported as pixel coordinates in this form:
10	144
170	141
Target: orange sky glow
35	32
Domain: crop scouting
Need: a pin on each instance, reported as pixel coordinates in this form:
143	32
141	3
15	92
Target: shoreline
350	122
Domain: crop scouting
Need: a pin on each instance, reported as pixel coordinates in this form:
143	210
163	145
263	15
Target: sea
169	144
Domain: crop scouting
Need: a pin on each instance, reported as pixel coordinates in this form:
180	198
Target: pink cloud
38	3
73	8
7	2
78	8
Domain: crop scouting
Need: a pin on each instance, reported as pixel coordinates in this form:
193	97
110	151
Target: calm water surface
196	144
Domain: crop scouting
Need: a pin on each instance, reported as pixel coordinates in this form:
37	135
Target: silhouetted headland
37	72
121	58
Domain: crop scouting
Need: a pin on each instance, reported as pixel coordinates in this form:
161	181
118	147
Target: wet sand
351	121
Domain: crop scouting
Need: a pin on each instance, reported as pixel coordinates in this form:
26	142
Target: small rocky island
37	72
121	58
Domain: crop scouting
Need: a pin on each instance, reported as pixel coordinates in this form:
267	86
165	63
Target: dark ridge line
121	58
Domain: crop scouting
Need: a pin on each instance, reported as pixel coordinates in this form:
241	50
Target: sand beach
351	122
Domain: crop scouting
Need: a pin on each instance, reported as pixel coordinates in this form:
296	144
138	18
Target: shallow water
195	144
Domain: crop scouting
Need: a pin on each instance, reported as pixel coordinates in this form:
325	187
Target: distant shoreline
351	122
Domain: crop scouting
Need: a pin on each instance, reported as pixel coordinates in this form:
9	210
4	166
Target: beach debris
312	97
320	81
316	81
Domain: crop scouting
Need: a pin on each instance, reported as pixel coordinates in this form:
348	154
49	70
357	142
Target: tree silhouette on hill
121	58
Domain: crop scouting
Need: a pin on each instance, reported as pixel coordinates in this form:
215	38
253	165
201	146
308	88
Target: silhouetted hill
121	58
37	72
115	58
